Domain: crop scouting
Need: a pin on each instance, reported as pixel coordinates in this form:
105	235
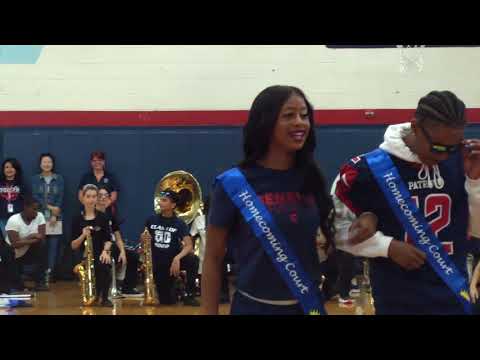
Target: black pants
8	268
346	272
68	258
103	278
190	264
329	269
36	255
103	274
131	274
165	282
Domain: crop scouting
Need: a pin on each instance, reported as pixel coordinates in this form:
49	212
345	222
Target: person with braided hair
440	171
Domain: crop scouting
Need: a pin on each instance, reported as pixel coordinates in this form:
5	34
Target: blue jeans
53	242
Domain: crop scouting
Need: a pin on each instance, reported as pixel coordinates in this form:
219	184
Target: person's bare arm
187	248
56	211
76	243
113	197
42	231
17	242
474	283
121	247
212	268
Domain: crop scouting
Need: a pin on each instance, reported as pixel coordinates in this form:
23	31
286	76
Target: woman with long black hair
12	191
279	165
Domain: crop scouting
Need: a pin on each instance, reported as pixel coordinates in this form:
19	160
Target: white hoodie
378	245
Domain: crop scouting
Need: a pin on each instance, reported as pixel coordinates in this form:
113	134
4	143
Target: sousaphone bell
189	193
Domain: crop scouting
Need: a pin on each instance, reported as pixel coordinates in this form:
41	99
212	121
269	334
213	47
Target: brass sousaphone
188	190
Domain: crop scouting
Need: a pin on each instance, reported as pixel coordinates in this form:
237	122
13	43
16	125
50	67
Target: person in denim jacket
48	190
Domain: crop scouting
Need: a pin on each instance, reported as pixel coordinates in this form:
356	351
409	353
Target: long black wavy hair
258	133
16	165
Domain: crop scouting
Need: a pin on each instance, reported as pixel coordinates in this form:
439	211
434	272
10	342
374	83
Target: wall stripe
15	119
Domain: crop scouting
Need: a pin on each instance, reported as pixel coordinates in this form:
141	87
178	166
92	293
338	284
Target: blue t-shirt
167	235
297	217
445	206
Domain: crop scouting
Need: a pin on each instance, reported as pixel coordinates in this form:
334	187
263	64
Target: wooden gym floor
64	299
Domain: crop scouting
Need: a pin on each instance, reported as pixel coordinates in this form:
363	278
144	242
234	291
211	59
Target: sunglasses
438	148
169	195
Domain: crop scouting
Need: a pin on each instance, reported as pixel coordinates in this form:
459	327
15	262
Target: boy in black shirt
127	259
167	233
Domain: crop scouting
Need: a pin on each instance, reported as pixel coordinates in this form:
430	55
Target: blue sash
415	224
275	245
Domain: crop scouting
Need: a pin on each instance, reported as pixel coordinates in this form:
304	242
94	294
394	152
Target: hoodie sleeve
473	190
348	193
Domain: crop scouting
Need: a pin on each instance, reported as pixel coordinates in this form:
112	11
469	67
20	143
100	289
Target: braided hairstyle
442	108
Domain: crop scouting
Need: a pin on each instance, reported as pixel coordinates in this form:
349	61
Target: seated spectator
26	237
118	248
128	259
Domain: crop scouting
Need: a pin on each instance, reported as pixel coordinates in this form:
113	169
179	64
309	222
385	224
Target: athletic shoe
132	293
21	292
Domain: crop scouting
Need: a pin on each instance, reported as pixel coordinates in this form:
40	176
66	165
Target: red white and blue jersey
440	194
